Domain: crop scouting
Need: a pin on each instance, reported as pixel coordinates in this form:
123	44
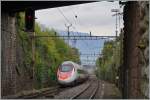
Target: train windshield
66	68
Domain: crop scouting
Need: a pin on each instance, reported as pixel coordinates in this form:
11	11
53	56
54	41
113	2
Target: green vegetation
110	61
49	53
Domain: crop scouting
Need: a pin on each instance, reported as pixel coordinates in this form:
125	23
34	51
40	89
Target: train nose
63	76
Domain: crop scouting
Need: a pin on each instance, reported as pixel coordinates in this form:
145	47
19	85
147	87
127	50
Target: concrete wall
15	77
135	68
8	58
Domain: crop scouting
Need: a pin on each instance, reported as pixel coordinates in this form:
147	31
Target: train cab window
66	68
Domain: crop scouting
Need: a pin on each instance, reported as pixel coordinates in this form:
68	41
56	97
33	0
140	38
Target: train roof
67	62
75	64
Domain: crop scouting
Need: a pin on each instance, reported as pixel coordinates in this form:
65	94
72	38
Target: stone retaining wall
136	50
14	77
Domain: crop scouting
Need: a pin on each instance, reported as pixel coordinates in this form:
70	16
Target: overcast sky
95	17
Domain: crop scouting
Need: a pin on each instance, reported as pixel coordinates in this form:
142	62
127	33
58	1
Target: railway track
45	93
42	93
51	93
88	92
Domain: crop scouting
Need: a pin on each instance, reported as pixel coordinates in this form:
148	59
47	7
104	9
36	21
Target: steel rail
76	95
40	94
92	95
95	91
44	93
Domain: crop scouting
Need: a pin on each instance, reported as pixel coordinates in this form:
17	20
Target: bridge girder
17	6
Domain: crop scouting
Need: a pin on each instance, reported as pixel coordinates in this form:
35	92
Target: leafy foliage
110	61
49	53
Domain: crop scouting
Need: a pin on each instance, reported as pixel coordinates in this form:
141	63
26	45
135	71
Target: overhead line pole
116	14
68	31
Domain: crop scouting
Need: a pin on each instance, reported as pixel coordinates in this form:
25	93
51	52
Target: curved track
43	93
88	92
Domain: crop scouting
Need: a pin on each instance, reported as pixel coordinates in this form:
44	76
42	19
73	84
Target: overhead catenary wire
79	22
88	47
64	15
74	28
66	18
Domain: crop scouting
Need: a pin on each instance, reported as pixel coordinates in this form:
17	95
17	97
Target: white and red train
70	73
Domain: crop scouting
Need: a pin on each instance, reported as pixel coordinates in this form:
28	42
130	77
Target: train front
66	74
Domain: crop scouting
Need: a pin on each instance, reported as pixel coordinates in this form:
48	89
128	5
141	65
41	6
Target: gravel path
111	91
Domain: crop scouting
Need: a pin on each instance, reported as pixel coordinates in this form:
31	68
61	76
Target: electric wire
74	26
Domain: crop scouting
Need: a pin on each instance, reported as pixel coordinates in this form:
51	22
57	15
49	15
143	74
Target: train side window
80	71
